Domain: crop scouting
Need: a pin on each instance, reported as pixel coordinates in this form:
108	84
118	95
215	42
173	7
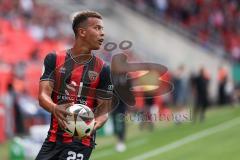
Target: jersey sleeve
105	85
49	67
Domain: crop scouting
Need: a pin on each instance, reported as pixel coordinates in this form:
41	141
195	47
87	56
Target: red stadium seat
16	44
32	76
46	47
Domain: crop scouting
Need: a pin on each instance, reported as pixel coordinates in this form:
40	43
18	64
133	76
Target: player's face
94	33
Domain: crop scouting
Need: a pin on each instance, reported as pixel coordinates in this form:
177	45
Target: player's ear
81	32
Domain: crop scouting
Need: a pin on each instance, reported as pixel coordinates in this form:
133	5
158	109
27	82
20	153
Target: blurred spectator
180	92
19	70
30	109
119	125
200	87
222	83
19	120
36	30
27	7
119	113
231	97
150	107
9	100
148	122
161	5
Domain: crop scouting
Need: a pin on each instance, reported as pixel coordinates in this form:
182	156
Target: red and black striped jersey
75	82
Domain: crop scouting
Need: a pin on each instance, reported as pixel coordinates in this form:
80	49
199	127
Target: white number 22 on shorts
74	156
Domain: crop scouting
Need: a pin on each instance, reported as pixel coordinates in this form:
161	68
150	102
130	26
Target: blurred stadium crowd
29	31
210	22
26	36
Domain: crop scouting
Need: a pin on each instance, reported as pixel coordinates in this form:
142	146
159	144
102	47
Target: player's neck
80	53
78	50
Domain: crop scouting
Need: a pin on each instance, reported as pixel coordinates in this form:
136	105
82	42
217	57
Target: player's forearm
101	114
46	102
100	121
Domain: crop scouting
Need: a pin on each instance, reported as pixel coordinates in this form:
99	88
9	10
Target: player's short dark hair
81	17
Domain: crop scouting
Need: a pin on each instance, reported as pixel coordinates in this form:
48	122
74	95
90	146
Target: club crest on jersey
92	75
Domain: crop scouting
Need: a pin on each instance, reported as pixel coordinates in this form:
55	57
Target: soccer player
70	77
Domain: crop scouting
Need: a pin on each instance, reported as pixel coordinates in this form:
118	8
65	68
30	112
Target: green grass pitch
200	141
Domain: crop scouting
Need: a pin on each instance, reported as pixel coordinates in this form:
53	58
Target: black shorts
64	151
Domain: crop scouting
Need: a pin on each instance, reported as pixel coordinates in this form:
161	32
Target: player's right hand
60	113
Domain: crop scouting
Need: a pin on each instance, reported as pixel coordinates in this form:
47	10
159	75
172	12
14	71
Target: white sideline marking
111	151
188	139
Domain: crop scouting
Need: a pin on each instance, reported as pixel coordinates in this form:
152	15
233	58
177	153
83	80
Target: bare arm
45	101
44	95
101	114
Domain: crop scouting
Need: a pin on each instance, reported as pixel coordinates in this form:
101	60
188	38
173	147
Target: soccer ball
81	123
